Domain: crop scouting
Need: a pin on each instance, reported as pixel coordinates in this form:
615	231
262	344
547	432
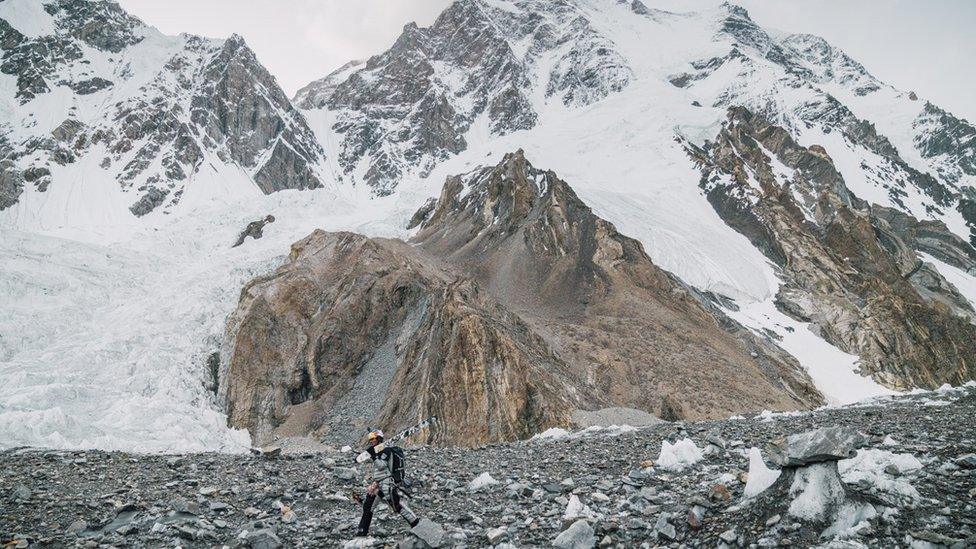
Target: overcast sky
927	46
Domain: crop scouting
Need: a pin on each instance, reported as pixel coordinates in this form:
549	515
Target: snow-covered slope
103	119
105	343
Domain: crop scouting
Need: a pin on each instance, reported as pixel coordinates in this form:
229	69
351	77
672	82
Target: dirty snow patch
481	481
815	489
760	476
869	465
679	455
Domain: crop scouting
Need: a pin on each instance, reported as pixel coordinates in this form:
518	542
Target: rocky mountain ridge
479	63
512	307
98	86
850	273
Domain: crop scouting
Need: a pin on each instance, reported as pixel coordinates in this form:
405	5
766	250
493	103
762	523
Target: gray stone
663	528
517	489
264	538
77	526
22	492
497	534
181	505
218	506
429	532
578	536
714	439
820	445
967	461
345	473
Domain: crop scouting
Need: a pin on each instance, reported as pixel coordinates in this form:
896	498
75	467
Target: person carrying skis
386	482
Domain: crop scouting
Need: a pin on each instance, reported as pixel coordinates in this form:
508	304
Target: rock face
513	306
354	332
403	111
167	108
852	270
637	331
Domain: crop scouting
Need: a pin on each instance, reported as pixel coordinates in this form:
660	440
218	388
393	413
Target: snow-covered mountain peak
484	66
102	24
96	95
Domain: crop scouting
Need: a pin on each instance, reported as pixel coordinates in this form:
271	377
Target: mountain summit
101	97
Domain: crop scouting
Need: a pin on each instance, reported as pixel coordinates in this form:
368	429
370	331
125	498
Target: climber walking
386	482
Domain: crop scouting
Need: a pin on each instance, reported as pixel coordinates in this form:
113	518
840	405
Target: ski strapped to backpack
410	431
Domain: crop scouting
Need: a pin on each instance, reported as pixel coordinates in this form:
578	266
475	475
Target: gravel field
609	487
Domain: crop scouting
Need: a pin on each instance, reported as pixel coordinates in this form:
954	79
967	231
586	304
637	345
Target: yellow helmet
375	434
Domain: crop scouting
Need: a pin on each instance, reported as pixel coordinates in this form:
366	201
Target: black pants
394	502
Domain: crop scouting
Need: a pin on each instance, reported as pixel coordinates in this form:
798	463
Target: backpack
398	464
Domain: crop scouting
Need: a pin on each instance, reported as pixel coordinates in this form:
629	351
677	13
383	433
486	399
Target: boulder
820	445
967	461
578	536
263	538
665	529
344	473
496	535
429	532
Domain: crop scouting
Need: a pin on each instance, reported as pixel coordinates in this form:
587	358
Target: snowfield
105	335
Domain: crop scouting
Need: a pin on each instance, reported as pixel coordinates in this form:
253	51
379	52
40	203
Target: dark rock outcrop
254	229
849	270
11	184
